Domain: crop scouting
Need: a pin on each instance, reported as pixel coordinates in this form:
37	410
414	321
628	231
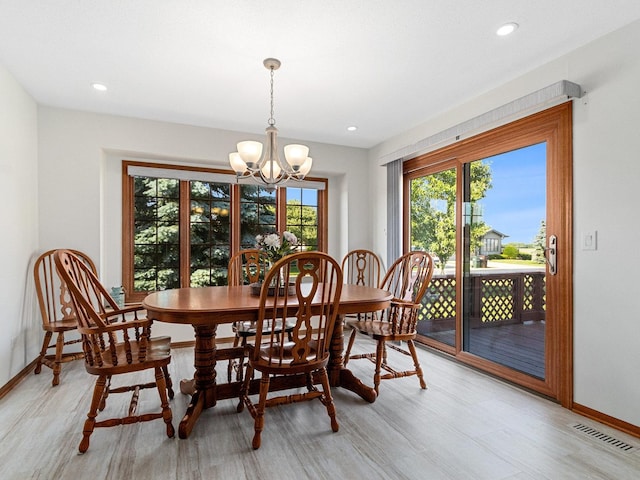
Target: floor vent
603	437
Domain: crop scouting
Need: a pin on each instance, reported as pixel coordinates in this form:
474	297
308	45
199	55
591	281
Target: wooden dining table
207	307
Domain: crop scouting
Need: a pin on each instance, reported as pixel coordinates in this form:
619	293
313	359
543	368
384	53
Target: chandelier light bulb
271	171
237	164
305	167
250	152
296	155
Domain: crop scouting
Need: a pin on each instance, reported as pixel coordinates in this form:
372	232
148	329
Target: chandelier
267	168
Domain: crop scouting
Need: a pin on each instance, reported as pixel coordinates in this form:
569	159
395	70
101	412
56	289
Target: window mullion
185	233
235	219
281	209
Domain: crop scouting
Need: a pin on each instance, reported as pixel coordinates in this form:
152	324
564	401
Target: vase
274	280
277	284
117	293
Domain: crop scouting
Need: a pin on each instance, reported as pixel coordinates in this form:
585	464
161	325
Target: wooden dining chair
312	299
361	267
115	341
245	267
408	280
56	312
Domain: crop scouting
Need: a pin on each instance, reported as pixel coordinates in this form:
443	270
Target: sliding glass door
495	213
433	229
504	264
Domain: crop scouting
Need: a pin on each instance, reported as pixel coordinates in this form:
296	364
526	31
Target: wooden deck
517	346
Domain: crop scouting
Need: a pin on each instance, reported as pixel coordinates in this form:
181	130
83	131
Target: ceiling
384	66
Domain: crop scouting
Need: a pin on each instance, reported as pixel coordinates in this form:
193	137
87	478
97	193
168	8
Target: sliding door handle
551	254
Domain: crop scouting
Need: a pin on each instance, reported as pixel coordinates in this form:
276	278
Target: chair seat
272	351
379	330
64	325
158	354
288	362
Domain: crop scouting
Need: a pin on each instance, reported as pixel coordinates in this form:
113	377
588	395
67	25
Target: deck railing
496	298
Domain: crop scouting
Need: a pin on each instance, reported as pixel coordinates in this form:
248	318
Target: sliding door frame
553	126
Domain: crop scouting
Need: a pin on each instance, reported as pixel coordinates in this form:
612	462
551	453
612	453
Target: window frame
128	228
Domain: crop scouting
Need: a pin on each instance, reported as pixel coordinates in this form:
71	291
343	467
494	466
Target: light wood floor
464	426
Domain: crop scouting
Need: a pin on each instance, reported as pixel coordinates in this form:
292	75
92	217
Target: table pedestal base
349	381
339	376
205	392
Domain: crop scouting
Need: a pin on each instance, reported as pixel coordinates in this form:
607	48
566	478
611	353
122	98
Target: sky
516	203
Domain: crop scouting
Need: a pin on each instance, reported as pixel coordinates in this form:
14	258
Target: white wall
606	172
20	341
80	182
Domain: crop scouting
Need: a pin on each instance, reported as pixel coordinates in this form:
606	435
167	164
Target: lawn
518	262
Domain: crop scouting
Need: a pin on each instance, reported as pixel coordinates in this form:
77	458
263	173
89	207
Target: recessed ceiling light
507	28
352	128
99	86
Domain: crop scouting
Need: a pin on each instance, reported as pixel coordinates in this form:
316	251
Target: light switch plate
590	240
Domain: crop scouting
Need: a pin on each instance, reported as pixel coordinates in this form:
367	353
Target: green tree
156	242
209	233
540	241
302	221
433	200
510	251
257	213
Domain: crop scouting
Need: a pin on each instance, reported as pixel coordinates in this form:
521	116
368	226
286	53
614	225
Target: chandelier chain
271	119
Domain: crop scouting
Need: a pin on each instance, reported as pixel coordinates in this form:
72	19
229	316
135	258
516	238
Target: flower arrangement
277	245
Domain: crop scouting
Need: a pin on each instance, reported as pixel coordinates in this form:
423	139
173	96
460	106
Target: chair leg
380	354
310	386
244	390
105	393
259	418
414	354
347	353
169	382
240	370
167	416
90	422
232	362
327	399
43	351
57	363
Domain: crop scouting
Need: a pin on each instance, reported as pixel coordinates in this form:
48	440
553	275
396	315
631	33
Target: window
181	225
491	245
258	213
302	216
156	244
209	232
